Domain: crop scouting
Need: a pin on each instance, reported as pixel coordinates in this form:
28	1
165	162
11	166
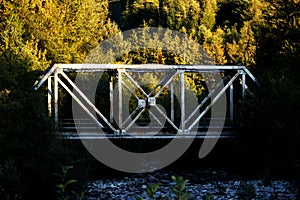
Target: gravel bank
203	183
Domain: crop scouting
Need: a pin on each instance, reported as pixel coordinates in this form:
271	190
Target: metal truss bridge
146	101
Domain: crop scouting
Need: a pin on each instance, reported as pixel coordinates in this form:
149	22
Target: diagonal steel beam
129	90
204	100
213	101
135	119
247	88
157	120
136	109
161	82
131	115
80	103
166	84
250	75
167	118
38	83
88	101
136	84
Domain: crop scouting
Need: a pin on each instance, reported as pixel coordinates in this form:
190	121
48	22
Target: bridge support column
56	98
172	101
243	84
120	120
111	98
182	101
49	96
231	102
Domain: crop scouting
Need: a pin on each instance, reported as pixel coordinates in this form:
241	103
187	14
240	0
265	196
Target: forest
263	35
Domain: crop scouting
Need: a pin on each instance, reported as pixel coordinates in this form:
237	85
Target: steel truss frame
57	72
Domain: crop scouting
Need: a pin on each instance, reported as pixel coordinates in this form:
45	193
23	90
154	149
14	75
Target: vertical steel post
231	102
182	102
243	73
243	85
56	98
49	96
172	101
120	120
111	98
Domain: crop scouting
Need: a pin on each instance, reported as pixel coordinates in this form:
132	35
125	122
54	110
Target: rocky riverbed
202	185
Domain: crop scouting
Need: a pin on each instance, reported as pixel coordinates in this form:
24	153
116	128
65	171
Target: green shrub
178	190
65	182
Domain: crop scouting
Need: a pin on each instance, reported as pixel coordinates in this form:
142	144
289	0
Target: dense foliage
260	34
35	34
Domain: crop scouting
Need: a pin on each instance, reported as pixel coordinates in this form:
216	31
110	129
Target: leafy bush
178	190
63	187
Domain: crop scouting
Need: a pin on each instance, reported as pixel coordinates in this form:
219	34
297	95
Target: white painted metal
186	124
80	103
134	120
131	92
145	67
56	98
162	82
149	67
154	117
247	88
243	85
172	101
198	135
130	116
141	103
136	84
152	101
250	75
87	100
182	101
213	102
166	84
204	101
111	98
120	93
166	117
231	102
40	82
49	96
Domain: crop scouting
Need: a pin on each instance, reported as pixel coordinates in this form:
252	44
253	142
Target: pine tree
209	13
241	43
214	45
213	39
139	12
66	29
182	16
243	51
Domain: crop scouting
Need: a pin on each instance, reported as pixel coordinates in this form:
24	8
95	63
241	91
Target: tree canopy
263	35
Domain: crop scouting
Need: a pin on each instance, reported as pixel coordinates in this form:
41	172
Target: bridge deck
88	130
198	135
